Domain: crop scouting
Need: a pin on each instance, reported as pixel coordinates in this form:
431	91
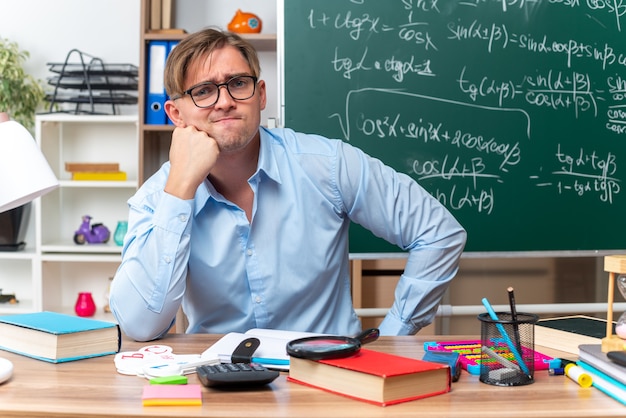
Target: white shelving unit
52	269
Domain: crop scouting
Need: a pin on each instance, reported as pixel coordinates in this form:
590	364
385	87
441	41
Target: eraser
450	358
503	374
169	380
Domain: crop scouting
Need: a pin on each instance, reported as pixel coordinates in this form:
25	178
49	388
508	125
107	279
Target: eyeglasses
206	94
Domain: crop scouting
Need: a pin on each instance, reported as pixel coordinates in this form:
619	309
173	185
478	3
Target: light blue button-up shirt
288	268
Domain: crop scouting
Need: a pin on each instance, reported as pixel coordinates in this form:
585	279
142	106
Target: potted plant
20	96
20	93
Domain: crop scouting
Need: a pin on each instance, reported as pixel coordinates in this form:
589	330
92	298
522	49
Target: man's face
232	123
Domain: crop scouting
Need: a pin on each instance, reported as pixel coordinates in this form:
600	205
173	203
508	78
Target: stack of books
607	376
95	171
582	335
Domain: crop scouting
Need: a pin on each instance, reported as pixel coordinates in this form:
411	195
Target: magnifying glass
329	347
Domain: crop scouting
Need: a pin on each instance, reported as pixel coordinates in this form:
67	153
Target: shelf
75	252
98	184
262	42
27	253
156	128
23	306
69	117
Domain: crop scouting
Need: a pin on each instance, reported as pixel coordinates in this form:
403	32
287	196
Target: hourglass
615	265
620	325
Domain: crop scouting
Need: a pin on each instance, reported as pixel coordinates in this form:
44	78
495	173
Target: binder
170	46
155	92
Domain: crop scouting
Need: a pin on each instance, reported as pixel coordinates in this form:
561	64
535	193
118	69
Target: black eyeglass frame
218	85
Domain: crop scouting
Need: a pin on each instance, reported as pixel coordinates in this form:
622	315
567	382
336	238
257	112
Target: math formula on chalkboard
511	113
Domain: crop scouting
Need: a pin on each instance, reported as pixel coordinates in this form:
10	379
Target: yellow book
99	175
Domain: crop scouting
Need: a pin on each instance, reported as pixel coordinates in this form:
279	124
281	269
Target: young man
248	227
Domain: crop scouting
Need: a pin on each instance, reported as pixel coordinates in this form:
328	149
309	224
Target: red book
373	376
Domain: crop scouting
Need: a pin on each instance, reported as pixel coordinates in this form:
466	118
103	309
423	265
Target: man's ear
174	114
262	94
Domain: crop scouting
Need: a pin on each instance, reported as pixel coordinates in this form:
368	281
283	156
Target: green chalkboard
511	112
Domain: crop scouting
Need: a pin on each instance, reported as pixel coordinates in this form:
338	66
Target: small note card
161	395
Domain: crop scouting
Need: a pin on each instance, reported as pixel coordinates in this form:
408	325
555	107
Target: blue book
57	338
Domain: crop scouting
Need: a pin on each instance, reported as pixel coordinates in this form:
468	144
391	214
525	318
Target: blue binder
170	46
155	88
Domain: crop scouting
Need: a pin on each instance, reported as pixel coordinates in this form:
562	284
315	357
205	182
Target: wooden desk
93	388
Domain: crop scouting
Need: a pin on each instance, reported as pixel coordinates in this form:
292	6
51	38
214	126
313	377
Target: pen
506	337
514	318
272	361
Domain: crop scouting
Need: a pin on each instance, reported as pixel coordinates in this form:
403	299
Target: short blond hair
198	45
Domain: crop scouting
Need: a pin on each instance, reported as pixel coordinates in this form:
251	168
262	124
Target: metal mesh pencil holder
508	346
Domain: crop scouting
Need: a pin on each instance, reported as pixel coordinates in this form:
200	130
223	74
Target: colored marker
578	375
272	361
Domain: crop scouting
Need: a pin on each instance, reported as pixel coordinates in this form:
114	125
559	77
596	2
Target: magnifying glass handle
368	336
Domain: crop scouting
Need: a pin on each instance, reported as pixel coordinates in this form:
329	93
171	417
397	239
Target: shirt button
167	259
257	299
249	252
183	218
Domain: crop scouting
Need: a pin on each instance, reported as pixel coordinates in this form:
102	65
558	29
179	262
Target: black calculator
235	375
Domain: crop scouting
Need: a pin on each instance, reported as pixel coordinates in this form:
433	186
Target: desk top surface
93	388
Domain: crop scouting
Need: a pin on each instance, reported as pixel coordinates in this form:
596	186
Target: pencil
514	318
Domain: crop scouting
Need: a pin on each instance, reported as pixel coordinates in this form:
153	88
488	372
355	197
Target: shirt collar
267	158
267	164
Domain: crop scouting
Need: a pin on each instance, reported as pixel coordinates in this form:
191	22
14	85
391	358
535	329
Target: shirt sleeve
393	206
149	284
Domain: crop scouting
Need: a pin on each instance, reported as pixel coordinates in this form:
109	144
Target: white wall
49	29
109	29
196	14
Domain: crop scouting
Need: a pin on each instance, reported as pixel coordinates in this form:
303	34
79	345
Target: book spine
99	176
74	167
